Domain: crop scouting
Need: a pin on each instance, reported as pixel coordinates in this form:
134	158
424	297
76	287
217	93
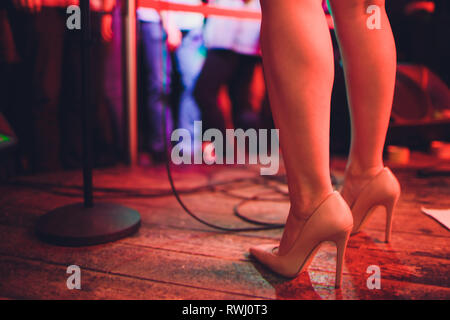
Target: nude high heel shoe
382	191
331	221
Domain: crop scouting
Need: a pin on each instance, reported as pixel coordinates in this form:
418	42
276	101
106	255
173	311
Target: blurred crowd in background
202	69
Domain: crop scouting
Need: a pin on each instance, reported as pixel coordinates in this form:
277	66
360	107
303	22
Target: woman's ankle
355	178
304	205
358	171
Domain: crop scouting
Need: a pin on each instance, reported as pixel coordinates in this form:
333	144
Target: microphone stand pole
86	223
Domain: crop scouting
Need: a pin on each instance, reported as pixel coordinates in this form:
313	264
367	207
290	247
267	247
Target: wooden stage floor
174	257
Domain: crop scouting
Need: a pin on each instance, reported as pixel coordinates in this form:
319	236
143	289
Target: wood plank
47	281
25	279
396	263
174	250
408	217
20	208
232	246
251	278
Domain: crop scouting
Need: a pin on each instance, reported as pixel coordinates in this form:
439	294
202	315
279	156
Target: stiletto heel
341	245
383	190
389	212
331	221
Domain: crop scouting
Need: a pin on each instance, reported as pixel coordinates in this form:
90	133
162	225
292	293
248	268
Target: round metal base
76	225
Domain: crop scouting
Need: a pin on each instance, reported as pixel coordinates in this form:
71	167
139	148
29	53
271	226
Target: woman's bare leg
298	65
369	57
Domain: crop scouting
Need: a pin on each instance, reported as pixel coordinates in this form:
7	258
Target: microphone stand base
76	225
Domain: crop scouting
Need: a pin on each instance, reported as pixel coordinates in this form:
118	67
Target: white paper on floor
441	215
